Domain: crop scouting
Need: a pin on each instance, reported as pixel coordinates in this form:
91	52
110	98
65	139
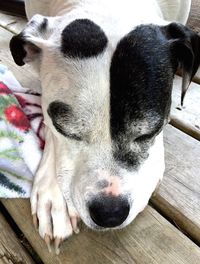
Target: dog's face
110	103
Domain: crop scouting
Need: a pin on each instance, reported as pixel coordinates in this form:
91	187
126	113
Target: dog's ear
27	46
23	50
185	51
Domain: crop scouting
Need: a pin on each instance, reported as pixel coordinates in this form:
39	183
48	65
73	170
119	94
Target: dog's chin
103	229
91	225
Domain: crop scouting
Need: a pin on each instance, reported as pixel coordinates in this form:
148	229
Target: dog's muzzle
109	211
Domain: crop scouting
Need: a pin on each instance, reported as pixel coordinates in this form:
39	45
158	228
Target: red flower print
16	117
21	100
4	89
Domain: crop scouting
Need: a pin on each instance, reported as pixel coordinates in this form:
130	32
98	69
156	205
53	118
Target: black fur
141	80
141	74
186	46
83	39
61	115
43	25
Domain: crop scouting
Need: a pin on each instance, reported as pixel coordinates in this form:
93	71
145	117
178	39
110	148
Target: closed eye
150	135
144	137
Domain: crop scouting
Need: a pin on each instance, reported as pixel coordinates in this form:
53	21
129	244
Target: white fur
143	182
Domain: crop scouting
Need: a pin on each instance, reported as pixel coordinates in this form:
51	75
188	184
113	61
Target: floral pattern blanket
21	136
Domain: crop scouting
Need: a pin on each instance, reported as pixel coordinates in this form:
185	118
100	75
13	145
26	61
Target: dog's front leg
64	172
48	206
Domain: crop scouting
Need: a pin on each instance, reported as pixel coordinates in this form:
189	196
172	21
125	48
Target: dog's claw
77	230
57	243
74	223
47	240
35	221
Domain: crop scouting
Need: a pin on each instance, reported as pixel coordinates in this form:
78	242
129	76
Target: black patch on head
43	25
83	39
61	115
141	77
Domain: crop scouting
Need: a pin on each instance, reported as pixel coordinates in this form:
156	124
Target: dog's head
110	102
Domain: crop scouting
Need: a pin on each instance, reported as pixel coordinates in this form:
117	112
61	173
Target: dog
106	70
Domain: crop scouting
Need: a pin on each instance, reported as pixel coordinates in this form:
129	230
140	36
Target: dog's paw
51	217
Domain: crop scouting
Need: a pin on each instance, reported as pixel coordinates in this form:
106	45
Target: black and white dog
106	69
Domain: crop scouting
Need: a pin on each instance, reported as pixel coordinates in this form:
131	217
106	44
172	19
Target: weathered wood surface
13	6
11	251
194	24
150	239
194	17
12	23
179	194
196	78
187	119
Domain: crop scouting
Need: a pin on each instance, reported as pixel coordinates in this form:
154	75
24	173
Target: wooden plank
194	24
179	194
196	78
187	119
11	251
13	6
150	239
12	23
194	16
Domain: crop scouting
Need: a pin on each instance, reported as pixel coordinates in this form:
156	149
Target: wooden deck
166	232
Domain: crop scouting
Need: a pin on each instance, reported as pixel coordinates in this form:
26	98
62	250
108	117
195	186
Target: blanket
21	136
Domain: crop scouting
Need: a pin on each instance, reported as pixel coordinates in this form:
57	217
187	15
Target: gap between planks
179	194
11	250
19	235
188	118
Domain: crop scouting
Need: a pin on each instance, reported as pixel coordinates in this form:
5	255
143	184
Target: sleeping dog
106	71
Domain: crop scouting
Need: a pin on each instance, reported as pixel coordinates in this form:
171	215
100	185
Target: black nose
109	211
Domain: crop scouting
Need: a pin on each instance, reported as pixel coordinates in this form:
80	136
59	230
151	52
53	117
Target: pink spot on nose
113	188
